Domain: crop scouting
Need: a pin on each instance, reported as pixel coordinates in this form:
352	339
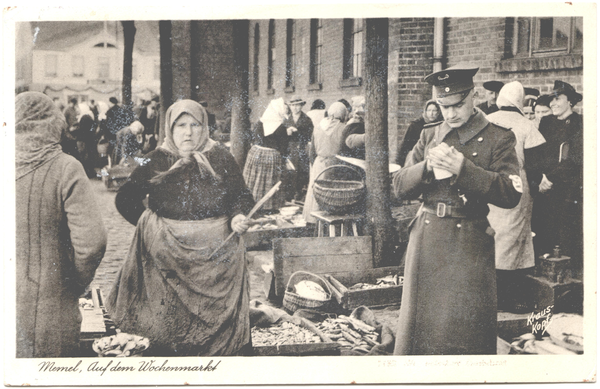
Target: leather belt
445	210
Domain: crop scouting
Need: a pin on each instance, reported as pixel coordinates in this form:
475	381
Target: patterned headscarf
39	125
198	112
274	115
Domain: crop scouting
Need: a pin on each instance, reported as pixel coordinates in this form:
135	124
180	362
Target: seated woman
130	143
170	289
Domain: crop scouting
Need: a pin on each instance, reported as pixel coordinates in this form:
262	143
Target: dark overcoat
449	299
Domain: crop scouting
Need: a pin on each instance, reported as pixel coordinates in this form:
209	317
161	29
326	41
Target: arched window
255	68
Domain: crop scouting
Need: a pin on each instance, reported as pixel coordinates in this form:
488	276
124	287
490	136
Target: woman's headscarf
336	114
437	118
198	112
39	125
274	115
511	95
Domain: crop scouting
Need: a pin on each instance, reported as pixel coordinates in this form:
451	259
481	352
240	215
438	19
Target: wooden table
344	221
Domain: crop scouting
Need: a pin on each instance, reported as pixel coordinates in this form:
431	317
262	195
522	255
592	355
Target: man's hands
446	158
291	130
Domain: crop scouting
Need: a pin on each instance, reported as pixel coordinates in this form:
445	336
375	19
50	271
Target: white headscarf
274	115
511	95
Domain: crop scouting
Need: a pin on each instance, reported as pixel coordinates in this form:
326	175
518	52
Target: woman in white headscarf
327	142
170	289
513	239
265	161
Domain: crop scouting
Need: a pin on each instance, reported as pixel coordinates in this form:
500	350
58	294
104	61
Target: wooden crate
264	238
92	323
564	297
376	297
335	256
326	347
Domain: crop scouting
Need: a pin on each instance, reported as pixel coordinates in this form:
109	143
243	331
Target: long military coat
449	298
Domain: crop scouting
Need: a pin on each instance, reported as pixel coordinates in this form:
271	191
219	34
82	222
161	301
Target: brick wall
411	41
331	68
481	41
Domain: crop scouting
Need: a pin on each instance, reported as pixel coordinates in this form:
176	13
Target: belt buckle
441	210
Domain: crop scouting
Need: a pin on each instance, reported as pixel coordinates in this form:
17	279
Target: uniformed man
458	166
492	88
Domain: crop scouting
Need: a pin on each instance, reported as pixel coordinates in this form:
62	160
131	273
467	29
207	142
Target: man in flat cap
298	147
492	88
458	166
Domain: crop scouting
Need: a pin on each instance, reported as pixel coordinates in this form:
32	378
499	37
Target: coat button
480	139
459	225
426	221
475	154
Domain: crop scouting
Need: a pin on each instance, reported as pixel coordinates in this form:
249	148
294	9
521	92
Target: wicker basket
293	301
339	196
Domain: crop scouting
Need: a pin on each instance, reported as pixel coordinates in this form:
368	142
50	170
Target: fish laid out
385	282
284	333
120	345
350	333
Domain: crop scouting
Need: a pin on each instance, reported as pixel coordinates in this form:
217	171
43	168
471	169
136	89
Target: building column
181	41
379	217
166	75
240	120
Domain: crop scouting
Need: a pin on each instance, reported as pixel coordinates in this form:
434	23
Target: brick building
323	58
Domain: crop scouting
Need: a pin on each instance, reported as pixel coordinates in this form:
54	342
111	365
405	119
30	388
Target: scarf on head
336	114
39	125
274	115
198	112
511	95
439	115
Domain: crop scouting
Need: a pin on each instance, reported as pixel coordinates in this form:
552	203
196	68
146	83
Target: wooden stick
258	205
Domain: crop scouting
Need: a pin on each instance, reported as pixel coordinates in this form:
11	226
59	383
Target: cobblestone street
120	233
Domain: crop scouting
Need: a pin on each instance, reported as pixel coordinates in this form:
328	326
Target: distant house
85	60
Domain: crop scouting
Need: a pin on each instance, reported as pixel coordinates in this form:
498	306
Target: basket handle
346	166
297	273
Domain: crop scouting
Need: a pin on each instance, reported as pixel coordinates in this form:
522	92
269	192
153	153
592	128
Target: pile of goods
385	282
565	337
288	217
284	333
350	333
311	290
120	345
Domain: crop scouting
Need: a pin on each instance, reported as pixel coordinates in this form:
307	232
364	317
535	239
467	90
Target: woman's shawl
39	125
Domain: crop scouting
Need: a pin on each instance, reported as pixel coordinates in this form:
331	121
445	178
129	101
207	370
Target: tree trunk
240	121
379	217
182	59
129	38
166	75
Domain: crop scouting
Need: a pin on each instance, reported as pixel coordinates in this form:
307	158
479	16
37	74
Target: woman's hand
445	157
239	224
545	185
291	130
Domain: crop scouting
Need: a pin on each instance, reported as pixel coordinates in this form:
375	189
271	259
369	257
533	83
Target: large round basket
293	301
339	196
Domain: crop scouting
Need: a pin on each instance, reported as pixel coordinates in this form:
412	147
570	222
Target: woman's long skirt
171	292
264	168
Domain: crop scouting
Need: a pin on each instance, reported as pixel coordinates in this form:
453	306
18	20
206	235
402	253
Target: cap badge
443	78
447	89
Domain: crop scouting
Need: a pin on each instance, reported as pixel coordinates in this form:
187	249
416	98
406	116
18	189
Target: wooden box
92	323
564	297
326	347
264	238
376	297
335	256
555	269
